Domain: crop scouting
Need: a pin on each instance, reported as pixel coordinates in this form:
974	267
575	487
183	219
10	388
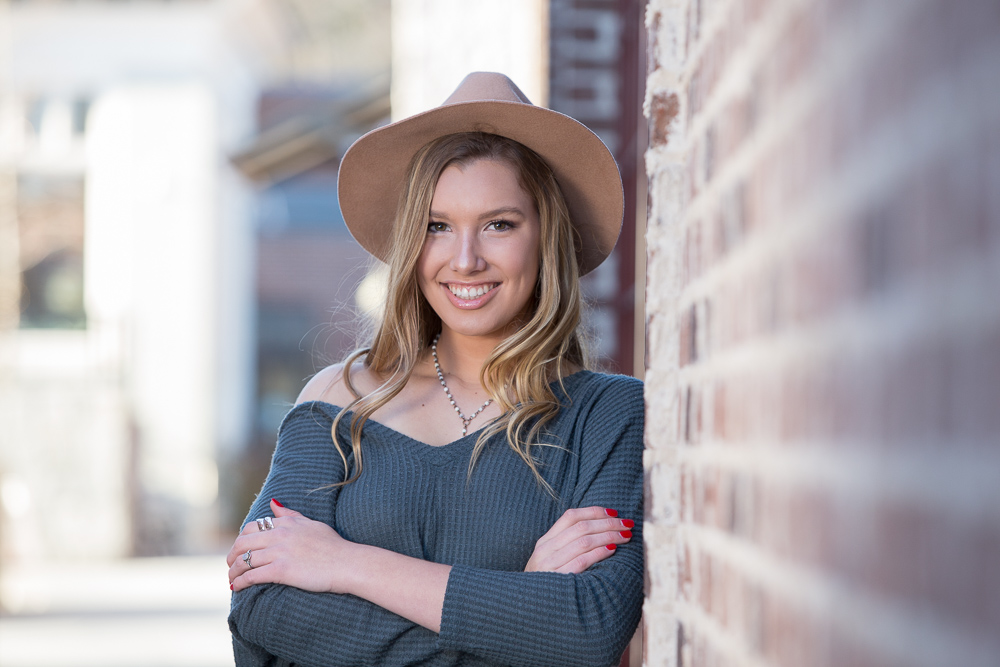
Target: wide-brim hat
373	171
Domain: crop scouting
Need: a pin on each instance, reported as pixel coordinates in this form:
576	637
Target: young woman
463	491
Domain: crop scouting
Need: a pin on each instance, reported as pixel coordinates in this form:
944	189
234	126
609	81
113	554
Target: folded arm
273	623
548	618
516	618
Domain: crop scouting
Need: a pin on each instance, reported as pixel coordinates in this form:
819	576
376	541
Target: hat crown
486	86
373	171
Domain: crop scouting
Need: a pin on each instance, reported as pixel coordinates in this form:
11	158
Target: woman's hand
297	552
581	537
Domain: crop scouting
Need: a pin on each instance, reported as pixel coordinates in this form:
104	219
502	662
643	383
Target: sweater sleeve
276	625
550	619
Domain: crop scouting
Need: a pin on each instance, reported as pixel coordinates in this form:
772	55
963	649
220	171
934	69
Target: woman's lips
470	296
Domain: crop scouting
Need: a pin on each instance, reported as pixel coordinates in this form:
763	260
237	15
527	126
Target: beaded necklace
444	385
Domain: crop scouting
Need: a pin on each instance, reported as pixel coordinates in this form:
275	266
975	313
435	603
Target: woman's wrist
409	587
360	569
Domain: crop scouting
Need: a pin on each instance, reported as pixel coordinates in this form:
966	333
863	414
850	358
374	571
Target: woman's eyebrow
503	210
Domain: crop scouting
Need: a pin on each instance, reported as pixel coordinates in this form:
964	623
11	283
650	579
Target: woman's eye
501	225
436	227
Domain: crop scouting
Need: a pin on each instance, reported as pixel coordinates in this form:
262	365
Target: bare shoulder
329	385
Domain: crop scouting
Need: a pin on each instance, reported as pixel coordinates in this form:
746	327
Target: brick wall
823	331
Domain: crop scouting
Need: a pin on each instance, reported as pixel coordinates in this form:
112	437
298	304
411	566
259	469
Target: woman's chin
482	329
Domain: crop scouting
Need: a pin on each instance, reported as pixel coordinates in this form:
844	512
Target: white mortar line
896	319
962	482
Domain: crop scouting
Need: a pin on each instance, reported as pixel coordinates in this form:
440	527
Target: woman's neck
463	356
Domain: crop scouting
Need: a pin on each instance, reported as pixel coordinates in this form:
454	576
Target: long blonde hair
518	372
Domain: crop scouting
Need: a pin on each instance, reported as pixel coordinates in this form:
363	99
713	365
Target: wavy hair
517	374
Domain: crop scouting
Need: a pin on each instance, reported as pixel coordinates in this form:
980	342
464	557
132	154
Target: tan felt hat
373	170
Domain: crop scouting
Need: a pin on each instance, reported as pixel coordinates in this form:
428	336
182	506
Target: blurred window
58	114
80	108
34	114
50	235
281	365
306	201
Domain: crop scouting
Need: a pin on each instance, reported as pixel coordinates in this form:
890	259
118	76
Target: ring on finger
260	525
246	558
268	523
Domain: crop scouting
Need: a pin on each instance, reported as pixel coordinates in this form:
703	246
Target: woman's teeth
470	293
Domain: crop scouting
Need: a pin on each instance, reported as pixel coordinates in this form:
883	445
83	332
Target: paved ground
151	612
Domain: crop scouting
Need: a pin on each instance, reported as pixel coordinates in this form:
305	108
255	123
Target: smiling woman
400	538
479	265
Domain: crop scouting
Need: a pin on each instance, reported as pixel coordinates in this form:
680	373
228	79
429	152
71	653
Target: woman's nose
468	256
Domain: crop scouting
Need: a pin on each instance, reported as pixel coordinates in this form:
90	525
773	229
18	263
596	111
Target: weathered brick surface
823	333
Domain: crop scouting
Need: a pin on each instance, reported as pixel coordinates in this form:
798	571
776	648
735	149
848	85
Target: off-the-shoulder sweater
421	501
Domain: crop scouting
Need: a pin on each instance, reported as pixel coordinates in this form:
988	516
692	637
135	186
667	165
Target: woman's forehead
482	184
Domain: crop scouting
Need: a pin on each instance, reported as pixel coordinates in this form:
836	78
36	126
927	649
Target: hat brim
373	170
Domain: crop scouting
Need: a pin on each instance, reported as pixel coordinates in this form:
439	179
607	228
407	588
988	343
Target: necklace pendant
444	385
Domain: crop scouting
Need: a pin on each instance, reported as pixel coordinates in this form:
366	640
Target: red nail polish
610	512
626	534
276	503
230	587
610	547
628	523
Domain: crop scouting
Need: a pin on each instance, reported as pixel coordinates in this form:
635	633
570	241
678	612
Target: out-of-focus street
150	612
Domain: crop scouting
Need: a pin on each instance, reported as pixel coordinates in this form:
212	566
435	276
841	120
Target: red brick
987	175
975	359
796	47
792	635
931	560
821	278
684	507
812	527
753	616
704	582
685	583
664	108
754	11
845	649
720	411
689	336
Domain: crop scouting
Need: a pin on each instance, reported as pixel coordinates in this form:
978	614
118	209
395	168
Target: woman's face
479	263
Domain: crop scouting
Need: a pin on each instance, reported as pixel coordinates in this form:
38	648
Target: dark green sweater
418	500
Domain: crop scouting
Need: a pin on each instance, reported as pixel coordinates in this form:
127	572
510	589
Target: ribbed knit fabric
418	500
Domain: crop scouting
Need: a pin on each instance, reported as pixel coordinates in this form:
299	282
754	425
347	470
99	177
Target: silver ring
246	559
268	524
260	525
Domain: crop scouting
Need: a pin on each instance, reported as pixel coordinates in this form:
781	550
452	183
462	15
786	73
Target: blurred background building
147	296
173	264
127	270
